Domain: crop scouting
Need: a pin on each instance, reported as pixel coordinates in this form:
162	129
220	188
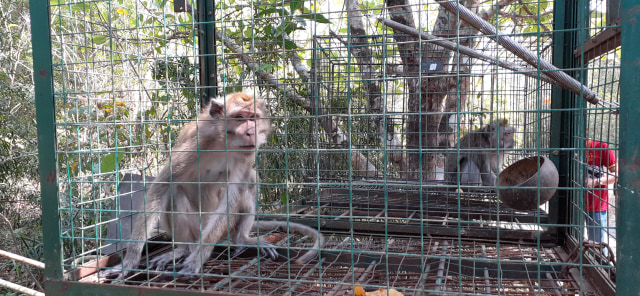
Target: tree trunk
460	87
358	45
461	84
426	95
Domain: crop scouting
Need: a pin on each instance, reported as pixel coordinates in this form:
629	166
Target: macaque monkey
480	165
207	189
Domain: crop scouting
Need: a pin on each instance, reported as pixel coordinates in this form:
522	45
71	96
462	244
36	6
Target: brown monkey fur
207	189
479	160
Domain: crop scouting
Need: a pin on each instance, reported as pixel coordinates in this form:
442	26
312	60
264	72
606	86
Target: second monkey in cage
207	190
479	160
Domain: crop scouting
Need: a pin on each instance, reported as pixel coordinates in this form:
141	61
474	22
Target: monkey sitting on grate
206	191
478	159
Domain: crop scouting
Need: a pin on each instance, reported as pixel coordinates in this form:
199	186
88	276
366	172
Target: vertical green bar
43	79
558	205
207	50
568	15
629	181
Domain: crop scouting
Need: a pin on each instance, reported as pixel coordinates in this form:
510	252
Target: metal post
207	50
628	251
563	122
43	79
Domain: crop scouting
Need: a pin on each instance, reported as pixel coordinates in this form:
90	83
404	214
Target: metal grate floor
469	215
417	242
411	266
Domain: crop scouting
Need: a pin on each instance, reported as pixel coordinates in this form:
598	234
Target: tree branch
358	160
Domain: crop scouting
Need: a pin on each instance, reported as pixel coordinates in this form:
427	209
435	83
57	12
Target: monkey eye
244	115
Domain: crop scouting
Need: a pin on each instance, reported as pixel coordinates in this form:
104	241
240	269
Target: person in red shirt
596	200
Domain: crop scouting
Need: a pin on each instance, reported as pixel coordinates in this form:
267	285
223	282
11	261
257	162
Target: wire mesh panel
440	147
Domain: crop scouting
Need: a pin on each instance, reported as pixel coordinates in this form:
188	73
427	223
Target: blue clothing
597	227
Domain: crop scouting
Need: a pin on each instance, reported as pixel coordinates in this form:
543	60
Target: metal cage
357	92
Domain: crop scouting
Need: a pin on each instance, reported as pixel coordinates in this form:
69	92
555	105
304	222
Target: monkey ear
216	108
487	132
486	128
264	104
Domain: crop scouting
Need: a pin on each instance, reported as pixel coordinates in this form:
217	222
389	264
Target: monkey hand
265	248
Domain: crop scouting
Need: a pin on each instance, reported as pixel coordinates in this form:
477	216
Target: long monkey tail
297	228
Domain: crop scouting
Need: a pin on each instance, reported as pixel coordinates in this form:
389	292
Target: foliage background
20	225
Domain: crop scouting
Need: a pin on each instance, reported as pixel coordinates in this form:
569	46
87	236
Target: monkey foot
266	249
111	273
164	261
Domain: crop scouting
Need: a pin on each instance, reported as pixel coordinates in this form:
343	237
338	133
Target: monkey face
245	124
506	137
501	136
246	131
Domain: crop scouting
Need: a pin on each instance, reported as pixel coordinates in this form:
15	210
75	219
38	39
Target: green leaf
266	67
247	33
531	29
296	4
270	10
288	44
284	198
316	17
289	27
161	3
301	21
265	12
108	163
543	5
99	39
